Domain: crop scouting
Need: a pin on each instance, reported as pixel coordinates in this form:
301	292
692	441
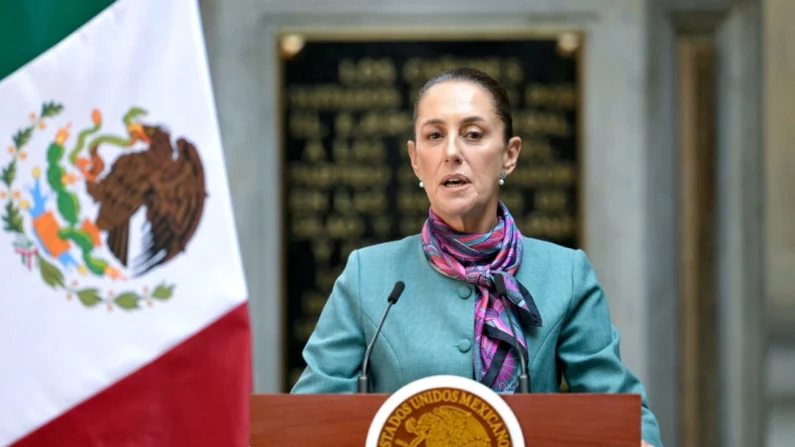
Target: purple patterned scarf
473	258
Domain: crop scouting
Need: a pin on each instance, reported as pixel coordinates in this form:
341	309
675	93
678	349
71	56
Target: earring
422	185
502	179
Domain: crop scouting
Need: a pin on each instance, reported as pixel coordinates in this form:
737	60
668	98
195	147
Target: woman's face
460	152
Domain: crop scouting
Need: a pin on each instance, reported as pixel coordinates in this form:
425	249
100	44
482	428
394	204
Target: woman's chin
455	209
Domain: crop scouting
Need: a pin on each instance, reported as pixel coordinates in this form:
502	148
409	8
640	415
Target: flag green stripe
30	27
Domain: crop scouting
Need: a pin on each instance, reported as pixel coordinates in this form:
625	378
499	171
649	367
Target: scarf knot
475	259
483	279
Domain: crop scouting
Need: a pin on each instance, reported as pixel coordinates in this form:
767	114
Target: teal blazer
431	328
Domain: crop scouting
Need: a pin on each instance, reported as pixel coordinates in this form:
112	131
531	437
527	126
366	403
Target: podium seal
445	411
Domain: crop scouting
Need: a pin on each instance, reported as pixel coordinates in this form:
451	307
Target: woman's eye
435	135
473	135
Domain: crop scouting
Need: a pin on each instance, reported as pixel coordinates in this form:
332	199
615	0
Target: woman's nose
452	150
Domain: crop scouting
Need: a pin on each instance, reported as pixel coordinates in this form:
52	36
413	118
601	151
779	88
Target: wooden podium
547	420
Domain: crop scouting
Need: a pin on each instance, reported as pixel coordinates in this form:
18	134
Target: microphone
364	380
524	380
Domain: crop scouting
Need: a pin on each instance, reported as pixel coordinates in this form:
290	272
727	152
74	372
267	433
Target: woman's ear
412	148
511	155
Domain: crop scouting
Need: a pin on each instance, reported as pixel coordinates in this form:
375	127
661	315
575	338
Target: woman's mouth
455	181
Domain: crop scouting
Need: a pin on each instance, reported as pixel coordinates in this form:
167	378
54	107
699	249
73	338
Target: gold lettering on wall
535	122
339	98
559	97
551	200
322	250
314	151
367	71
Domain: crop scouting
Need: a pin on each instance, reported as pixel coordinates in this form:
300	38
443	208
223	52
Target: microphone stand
364	380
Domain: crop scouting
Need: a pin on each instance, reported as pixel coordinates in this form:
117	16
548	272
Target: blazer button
464	292
464	345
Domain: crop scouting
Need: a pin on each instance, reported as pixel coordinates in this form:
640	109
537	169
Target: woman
464	151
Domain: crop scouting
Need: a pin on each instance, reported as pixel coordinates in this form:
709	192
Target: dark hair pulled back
501	102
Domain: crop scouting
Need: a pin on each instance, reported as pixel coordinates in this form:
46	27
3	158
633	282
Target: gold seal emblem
444	411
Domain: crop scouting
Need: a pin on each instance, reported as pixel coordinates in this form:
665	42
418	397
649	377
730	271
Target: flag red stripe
194	395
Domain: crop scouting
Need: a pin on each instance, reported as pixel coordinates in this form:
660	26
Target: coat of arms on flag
71	216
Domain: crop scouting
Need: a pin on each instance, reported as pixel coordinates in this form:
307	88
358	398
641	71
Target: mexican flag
124	318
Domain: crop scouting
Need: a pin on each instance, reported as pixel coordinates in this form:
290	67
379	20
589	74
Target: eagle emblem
446	426
72	220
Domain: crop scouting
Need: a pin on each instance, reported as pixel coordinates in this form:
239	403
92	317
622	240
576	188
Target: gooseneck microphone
364	380
524	380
